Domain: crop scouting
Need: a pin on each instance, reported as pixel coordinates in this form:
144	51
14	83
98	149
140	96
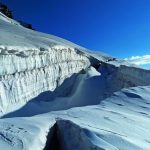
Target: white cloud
139	60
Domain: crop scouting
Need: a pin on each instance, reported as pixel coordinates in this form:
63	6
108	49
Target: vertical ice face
23	78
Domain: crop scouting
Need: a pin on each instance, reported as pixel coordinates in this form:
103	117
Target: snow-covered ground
57	95
120	122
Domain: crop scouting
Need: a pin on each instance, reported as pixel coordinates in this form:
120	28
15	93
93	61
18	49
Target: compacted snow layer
49	72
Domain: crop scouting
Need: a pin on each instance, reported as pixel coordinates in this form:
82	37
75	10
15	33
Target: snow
119	122
54	92
28	56
33	62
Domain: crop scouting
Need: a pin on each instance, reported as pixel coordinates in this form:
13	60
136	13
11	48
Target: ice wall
122	76
134	75
24	77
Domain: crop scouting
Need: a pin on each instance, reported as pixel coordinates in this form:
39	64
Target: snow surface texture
120	122
42	79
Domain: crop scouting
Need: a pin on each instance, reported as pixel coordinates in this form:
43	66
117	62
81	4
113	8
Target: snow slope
57	95
120	122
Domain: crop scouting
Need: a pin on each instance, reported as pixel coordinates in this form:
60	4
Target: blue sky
118	27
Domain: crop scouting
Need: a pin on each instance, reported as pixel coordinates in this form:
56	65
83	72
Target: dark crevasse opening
52	139
66	135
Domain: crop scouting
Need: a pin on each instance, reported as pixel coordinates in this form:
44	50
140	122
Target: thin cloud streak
139	60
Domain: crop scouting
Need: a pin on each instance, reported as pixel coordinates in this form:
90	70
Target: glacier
55	94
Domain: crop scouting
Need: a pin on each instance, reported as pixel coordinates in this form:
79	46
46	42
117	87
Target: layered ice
28	77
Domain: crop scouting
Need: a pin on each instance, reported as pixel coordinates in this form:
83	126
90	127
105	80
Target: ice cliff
32	63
